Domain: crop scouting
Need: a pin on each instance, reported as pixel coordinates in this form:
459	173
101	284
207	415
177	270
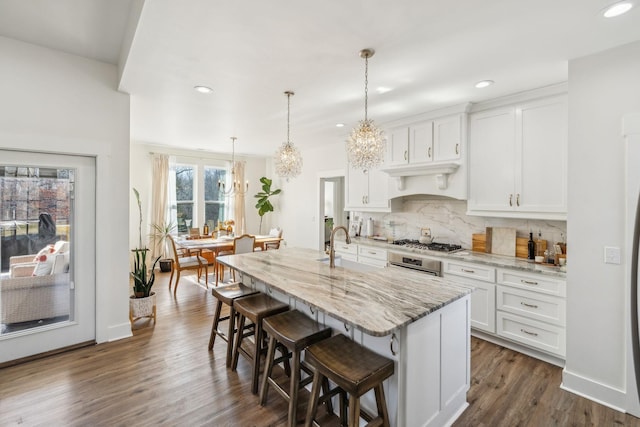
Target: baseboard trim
119	332
593	390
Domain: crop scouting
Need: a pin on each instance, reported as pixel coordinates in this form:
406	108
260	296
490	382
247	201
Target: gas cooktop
434	246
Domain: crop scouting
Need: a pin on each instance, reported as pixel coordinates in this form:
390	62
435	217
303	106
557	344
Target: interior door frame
321	178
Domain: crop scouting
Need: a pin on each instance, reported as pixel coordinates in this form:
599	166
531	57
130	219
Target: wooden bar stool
295	331
356	370
255	308
227	294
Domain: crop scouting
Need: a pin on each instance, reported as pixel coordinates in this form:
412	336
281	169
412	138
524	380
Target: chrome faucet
332	252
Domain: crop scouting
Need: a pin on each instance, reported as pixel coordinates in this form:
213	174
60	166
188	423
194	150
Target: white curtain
159	199
172	204
238	199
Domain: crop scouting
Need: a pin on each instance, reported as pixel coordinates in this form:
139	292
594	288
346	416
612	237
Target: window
198	198
214	199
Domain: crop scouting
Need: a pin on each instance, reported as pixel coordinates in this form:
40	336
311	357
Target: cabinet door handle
346	327
529	332
366	199
510	199
528	305
429	152
405	154
528	282
518	199
464	270
457	148
372	253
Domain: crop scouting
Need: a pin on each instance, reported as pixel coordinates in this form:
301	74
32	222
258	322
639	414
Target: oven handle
431	272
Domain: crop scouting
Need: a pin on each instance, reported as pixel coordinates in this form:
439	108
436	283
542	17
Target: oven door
414	262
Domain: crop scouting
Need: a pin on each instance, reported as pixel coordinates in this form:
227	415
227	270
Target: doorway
331	202
47	269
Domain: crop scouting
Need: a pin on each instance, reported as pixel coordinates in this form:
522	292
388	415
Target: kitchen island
421	322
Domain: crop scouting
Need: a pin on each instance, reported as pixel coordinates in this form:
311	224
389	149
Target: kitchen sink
348	265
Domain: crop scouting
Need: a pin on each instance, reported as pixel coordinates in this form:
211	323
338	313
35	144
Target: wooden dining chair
241	245
192	262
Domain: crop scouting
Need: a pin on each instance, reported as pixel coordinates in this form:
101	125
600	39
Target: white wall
141	179
602	88
297	207
59	103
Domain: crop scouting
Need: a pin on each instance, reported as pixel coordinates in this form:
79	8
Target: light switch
611	255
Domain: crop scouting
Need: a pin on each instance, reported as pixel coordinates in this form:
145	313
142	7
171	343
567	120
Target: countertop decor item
288	160
365	146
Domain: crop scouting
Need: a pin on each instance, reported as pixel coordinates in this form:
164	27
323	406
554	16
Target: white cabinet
372	256
531	309
424	142
518	160
346	251
367	190
483	298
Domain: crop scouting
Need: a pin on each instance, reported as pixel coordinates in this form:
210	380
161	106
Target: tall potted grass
143	302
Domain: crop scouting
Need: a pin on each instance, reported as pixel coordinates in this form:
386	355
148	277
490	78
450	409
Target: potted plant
264	205
143	302
160	234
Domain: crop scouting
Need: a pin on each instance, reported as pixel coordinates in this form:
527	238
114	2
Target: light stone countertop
378	301
473	257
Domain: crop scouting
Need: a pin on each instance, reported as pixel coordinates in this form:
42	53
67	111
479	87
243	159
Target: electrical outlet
425	232
612	255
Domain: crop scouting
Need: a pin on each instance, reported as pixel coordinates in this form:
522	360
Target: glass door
47	252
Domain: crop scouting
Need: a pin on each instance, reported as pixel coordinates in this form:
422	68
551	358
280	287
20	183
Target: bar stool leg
231	334
382	405
312	407
237	343
293	390
214	327
354	411
267	370
256	357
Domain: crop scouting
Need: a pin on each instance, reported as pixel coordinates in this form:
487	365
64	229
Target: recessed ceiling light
203	89
339	125
484	83
617	9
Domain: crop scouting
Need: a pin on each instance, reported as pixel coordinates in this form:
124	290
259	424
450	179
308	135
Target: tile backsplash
449	222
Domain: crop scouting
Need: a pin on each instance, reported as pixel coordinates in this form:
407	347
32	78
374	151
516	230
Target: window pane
211	178
214	212
185	217
35	214
184	183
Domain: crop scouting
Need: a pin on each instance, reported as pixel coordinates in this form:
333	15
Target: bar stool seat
295	331
356	370
255	308
226	295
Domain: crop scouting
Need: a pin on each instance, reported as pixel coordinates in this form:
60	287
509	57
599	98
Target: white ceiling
429	55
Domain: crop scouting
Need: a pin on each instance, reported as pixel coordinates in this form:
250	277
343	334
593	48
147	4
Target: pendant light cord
366	84
288	113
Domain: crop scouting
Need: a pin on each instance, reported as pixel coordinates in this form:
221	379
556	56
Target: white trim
593	390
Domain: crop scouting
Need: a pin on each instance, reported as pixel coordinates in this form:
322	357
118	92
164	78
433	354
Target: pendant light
288	160
365	146
236	186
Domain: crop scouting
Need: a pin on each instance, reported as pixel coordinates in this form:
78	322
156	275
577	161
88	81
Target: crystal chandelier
288	161
365	146
236	186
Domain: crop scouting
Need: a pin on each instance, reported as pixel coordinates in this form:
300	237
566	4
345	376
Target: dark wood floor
164	375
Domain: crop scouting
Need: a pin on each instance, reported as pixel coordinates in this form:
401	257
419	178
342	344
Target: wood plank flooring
165	376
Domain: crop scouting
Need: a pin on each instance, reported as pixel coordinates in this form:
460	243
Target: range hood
441	170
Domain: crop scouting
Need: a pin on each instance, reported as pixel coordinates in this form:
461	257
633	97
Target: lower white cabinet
513	305
372	256
483	298
369	255
531	310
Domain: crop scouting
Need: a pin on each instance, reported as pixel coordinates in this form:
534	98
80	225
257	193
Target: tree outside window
184	196
214	199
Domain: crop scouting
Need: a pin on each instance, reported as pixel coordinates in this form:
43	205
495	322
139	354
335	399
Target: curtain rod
193	157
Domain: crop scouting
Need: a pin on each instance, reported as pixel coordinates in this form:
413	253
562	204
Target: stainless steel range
416	262
434	246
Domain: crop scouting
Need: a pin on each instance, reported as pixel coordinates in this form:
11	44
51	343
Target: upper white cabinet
424	142
367	190
518	160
